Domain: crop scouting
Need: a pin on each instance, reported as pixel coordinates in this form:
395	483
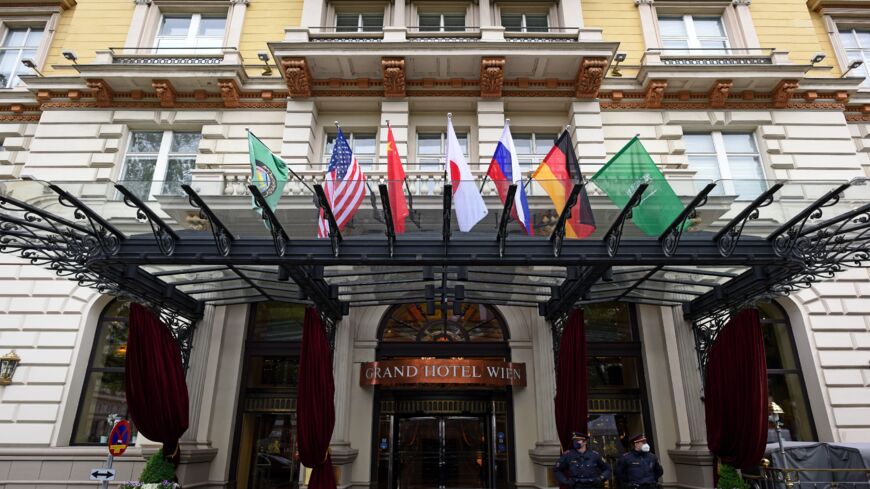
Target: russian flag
504	169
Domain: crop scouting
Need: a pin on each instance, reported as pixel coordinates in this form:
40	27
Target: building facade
154	93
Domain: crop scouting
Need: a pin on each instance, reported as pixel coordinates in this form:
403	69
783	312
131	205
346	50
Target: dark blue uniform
636	468
581	469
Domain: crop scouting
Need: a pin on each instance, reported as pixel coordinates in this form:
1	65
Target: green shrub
157	470
730	479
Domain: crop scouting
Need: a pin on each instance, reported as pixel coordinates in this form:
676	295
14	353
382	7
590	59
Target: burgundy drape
154	381
571	382
315	408
736	392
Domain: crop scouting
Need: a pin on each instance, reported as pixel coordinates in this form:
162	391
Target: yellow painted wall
621	23
90	26
789	25
265	21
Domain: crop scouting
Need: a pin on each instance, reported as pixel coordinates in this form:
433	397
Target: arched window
410	323
103	392
785	382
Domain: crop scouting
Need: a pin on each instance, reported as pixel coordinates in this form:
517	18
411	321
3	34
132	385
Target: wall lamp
32	65
264	57
70	56
853	65
619	58
8	363
818	58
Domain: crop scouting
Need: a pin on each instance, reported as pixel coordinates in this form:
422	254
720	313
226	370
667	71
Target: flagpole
450	123
285	164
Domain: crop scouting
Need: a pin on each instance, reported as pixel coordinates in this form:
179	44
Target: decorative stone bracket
298	76
394	76
590	76
166	93
102	92
783	92
655	93
230	92
491	76
719	93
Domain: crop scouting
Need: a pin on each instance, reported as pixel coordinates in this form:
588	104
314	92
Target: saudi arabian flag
268	172
624	173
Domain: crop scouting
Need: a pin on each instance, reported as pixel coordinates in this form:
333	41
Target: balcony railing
712	56
170	56
440	34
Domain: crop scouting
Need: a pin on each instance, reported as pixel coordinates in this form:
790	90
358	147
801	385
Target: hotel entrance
443	388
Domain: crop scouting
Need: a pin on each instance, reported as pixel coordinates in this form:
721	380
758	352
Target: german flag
557	175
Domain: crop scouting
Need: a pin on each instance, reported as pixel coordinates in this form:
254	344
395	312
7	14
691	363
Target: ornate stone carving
102	92
394	76
491	76
719	93
589	77
655	93
165	92
298	76
841	96
811	95
783	92
230	93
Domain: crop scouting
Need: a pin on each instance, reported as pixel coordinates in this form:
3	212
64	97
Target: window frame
722	154
736	20
441	27
360	25
161	165
358	7
842	51
142	36
523	21
443	154
45	17
471	10
192	36
351	137
692	38
98	334
535	137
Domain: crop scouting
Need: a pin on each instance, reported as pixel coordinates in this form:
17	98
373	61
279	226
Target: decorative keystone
298	76
589	77
491	77
394	76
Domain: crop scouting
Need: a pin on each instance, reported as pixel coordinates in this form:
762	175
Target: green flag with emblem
268	172
624	173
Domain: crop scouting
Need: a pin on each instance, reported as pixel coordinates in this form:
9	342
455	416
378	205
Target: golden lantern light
8	363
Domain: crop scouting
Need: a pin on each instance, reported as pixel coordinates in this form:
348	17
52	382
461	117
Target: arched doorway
442	435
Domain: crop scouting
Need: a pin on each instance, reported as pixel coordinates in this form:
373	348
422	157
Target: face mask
578	444
644	448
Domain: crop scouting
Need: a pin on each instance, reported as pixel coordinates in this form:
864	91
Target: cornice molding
62	4
824	5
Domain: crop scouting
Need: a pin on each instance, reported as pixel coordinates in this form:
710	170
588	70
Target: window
359	22
731	157
158	162
363	144
19	43
533	147
442	22
104	381
680	33
525	22
856	43
785	383
195	32
431	148
411	323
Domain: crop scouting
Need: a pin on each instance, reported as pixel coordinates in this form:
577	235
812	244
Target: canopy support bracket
670	238
223	239
279	235
790	234
727	237
505	216
558	234
163	233
335	237
108	237
388	218
614	234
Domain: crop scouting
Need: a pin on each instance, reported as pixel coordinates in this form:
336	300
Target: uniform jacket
586	468
635	467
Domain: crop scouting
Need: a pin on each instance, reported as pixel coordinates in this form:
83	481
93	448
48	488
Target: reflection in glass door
442	452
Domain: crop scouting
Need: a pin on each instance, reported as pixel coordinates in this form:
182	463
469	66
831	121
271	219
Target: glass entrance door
442	452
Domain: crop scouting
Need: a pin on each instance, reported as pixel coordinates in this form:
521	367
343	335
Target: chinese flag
395	180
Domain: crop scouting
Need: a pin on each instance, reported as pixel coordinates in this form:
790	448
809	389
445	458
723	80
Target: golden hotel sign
491	373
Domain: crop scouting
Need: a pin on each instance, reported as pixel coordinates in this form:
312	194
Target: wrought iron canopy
735	243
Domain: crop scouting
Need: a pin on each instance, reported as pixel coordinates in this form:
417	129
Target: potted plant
157	474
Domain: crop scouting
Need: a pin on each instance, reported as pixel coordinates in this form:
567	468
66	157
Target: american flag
345	186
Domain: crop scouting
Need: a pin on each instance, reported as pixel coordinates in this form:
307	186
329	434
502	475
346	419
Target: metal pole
105	484
113	420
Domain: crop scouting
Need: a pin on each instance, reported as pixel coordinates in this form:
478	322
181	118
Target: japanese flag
467	201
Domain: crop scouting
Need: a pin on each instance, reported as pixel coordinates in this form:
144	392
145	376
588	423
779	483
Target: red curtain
571	382
736	392
154	381
315	408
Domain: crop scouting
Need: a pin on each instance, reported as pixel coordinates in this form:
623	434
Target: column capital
741	2
142	2
643	2
243	3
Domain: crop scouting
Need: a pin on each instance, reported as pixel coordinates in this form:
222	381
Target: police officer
638	468
585	468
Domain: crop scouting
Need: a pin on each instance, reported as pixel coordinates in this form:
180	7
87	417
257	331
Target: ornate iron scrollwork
503	221
279	236
726	239
335	237
104	235
163	234
790	236
558	235
670	239
223	239
614	234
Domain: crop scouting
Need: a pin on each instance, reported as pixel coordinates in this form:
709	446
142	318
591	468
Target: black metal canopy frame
176	272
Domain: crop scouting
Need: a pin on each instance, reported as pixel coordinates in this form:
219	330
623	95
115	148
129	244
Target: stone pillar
490	123
572	16
137	24
196	375
485	16
588	135
399	13
300	122
236	19
342	453
648	23
694	464
396	112
744	21
312	13
547	448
